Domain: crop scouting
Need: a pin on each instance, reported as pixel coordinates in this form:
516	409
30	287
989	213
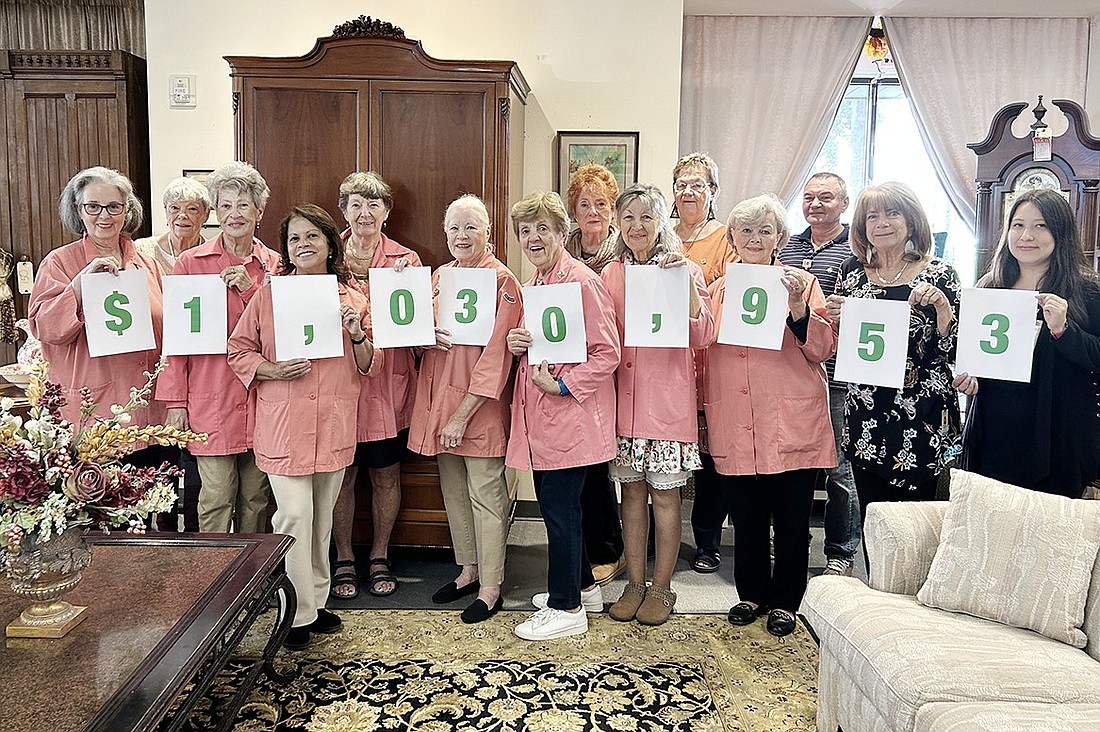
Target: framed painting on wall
201	174
616	151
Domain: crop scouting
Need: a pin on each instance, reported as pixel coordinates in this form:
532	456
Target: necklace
695	231
904	266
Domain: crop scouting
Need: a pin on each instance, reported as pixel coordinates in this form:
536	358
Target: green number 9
755	305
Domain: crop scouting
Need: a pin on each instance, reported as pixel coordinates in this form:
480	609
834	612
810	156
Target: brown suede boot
627	605
656	607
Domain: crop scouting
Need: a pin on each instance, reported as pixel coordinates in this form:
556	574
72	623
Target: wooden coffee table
164	611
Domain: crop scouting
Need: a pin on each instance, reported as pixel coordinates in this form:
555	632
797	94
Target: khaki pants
304	506
232	484
475	493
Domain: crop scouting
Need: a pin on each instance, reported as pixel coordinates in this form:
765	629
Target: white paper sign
467	304
117	317
657	306
195	315
554	314
873	342
307	317
401	306
754	312
996	333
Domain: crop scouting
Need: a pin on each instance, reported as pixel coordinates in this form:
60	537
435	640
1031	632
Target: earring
910	247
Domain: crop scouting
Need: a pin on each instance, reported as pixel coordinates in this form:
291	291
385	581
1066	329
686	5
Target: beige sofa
890	663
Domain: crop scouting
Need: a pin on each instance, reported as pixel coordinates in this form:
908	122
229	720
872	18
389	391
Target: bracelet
359	342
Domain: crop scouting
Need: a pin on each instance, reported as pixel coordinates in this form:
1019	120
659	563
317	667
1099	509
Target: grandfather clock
1007	167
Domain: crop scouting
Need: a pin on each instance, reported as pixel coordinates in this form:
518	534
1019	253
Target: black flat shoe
744	614
478	611
781	623
451	592
297	638
326	622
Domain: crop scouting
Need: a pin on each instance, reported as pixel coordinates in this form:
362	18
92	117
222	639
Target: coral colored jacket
768	411
447	376
217	402
655	387
550	431
57	319
307	425
386	403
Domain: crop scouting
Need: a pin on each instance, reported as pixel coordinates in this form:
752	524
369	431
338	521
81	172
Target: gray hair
472	202
368	185
756	210
68	204
652	198
185	190
240	177
841	185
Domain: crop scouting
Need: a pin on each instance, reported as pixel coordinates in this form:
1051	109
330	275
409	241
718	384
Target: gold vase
42	573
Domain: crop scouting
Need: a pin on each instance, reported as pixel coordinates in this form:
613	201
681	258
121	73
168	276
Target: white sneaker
591	600
550	623
838	566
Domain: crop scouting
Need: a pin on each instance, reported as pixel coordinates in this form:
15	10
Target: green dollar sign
112	306
309	334
656	322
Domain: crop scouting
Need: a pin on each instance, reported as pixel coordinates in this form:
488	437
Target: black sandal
376	577
342	576
706	561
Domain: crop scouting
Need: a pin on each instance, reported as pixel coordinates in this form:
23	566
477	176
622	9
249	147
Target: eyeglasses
696	186
94	209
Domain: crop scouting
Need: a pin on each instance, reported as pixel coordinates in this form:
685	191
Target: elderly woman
591	203
769	427
186	208
99	204
562	418
201	391
899	441
385	403
305	415
656	425
1043	434
461	416
695	189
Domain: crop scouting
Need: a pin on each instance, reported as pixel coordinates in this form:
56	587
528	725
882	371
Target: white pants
304	510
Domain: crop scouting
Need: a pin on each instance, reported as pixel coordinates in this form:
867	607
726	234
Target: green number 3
468	312
998	334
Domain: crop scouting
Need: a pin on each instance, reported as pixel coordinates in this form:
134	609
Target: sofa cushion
903	655
1015	556
1004	716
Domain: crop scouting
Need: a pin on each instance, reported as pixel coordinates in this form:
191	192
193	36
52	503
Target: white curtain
759	94
957	72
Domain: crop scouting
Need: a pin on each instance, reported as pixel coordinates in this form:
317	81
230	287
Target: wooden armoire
367	98
62	111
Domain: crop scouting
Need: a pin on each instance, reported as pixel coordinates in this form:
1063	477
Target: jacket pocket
802	424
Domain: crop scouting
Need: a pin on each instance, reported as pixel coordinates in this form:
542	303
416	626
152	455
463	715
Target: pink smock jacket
447	376
768	411
57	319
306	425
655	387
386	403
550	431
217	402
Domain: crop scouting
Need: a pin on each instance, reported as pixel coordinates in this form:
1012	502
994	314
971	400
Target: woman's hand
99	264
519	340
349	319
924	294
833	304
442	339
235	275
400	264
672	259
1055	311
177	419
545	380
966	384
453	432
793	280
283	370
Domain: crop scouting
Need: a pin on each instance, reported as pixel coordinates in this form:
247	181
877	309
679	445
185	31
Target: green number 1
755	305
553	324
401	301
469	312
869	335
998	333
193	306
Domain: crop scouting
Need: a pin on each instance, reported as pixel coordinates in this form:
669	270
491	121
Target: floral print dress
907	436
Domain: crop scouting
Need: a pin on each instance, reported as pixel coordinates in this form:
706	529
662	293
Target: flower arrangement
55	475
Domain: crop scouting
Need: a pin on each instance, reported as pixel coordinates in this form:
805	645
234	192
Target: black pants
757	503
600	523
709	510
559	496
873	488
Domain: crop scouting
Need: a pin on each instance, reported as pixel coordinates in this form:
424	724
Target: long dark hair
319	218
1068	274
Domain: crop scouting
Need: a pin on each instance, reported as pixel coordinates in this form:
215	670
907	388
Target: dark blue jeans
559	496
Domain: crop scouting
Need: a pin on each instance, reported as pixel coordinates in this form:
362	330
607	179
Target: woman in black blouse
900	440
1044	434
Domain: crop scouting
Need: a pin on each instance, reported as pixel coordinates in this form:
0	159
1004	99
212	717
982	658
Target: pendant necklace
897	277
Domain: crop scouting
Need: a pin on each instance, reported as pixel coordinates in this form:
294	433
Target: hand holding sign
996	333
401	304
873	342
657	306
754	311
117	314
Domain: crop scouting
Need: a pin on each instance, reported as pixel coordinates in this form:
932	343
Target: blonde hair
540	205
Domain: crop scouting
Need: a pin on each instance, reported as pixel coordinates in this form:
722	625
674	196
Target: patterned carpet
426	671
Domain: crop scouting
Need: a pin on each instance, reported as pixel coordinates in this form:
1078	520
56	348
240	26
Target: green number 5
998	334
871	343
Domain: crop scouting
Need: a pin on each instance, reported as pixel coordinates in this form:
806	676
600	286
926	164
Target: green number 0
402	300
469	312
755	305
869	335
553	324
998	334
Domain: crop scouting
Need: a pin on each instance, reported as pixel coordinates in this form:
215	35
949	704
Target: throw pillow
1016	556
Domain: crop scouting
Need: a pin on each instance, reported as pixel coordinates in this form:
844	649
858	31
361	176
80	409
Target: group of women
754	422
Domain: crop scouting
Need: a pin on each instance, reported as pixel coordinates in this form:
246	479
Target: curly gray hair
68	204
185	190
240	177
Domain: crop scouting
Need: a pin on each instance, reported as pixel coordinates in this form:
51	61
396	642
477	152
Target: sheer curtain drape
103	25
957	72
760	94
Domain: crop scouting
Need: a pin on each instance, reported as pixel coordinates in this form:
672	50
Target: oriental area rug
427	671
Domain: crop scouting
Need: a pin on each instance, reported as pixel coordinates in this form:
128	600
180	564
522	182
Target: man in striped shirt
820	250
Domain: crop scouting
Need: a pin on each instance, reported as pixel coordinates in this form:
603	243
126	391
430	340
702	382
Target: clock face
1029	180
